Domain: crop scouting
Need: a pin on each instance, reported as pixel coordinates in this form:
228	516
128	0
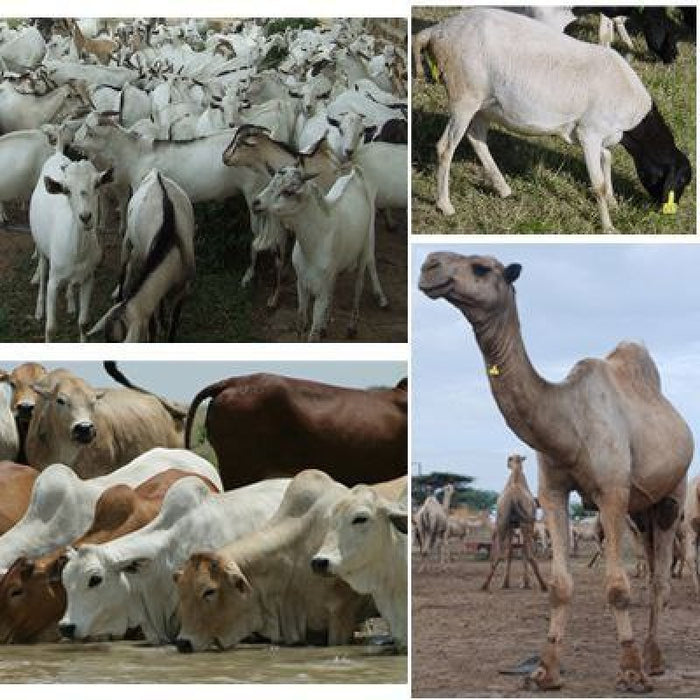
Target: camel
431	519
515	509
691	530
606	431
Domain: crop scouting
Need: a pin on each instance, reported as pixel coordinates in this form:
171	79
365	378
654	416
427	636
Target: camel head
515	462
477	285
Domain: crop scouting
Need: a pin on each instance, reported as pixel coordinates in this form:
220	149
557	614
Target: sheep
62	218
157	262
491	62
333	233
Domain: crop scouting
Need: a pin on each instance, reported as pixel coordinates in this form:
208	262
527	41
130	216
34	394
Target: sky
574	301
180	381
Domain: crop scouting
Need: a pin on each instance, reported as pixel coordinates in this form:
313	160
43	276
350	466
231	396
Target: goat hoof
631	681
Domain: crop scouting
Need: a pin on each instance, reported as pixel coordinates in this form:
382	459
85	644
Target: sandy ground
462	636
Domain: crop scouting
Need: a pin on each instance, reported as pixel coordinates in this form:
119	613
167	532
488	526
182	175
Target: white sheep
333	233
63	218
501	67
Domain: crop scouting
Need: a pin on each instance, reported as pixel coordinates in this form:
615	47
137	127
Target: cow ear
56	569
100	394
54	187
26	568
399	519
177	575
42	391
512	272
105	177
136	565
240	582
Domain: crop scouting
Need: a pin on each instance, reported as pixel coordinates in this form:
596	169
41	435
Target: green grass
551	189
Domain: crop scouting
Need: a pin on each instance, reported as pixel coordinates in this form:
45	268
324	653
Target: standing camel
432	525
691	530
515	509
606	431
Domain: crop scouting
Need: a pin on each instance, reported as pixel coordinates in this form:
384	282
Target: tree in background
465	495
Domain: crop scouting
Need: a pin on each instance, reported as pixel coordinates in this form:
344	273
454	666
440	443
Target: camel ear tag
493	371
670	206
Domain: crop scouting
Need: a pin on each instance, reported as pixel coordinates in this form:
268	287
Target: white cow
62	505
9	436
263	583
366	545
129	581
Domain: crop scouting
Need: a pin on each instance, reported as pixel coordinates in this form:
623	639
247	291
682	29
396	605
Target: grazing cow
264	425
21	379
128	582
95	431
32	596
62	505
366	545
16	482
262	584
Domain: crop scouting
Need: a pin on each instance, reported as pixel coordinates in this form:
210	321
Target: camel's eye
480	270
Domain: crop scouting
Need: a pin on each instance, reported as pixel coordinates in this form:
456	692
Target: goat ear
105	177
512	272
54	187
333	122
369	133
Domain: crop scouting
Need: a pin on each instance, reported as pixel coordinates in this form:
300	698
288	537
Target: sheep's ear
512	272
54	187
105	177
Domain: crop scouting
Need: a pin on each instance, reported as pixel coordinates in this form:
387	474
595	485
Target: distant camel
691	530
515	509
606	431
431	519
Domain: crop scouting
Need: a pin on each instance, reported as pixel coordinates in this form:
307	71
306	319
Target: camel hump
633	365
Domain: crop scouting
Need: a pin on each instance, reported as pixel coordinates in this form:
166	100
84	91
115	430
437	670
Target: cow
264	425
62	505
262	584
128	582
95	431
32	596
366	545
21	380
16	482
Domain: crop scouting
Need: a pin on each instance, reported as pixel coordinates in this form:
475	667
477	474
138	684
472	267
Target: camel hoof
631	681
653	658
542	679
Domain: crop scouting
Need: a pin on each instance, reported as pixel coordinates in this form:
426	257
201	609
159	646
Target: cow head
68	407
218	605
32	600
24	397
364	532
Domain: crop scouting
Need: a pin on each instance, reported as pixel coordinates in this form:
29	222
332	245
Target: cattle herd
305	120
111	529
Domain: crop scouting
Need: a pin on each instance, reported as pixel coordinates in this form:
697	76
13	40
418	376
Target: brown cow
21	379
32	596
95	431
265	425
16	482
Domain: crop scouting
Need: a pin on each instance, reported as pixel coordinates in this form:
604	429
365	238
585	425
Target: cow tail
211	391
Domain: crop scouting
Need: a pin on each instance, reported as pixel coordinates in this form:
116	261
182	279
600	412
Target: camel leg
499	543
529	557
630	677
509	559
555	504
659	546
691	558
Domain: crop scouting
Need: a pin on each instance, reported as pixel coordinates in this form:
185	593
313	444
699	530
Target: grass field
551	189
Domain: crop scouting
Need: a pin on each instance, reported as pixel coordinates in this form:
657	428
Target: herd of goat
309	125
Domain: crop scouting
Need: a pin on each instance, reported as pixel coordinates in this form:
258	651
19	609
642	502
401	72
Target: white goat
63	217
9	436
333	233
157	262
491	63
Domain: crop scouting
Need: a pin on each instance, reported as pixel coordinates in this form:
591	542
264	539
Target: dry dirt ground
462	636
218	310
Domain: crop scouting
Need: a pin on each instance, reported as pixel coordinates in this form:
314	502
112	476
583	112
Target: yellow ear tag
493	371
434	72
670	206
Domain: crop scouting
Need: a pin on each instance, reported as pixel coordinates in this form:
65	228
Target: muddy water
130	662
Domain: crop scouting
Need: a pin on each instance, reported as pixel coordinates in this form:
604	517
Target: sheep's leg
592	152
555	503
477	134
460	116
606	164
622	31
85	297
659	537
51	293
42	270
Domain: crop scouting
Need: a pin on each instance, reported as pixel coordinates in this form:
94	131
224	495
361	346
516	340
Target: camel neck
527	401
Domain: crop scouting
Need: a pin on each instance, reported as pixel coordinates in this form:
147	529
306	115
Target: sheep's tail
421	43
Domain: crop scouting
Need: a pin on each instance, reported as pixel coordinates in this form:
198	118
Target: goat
24	51
490	62
333	233
157	262
63	228
102	49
